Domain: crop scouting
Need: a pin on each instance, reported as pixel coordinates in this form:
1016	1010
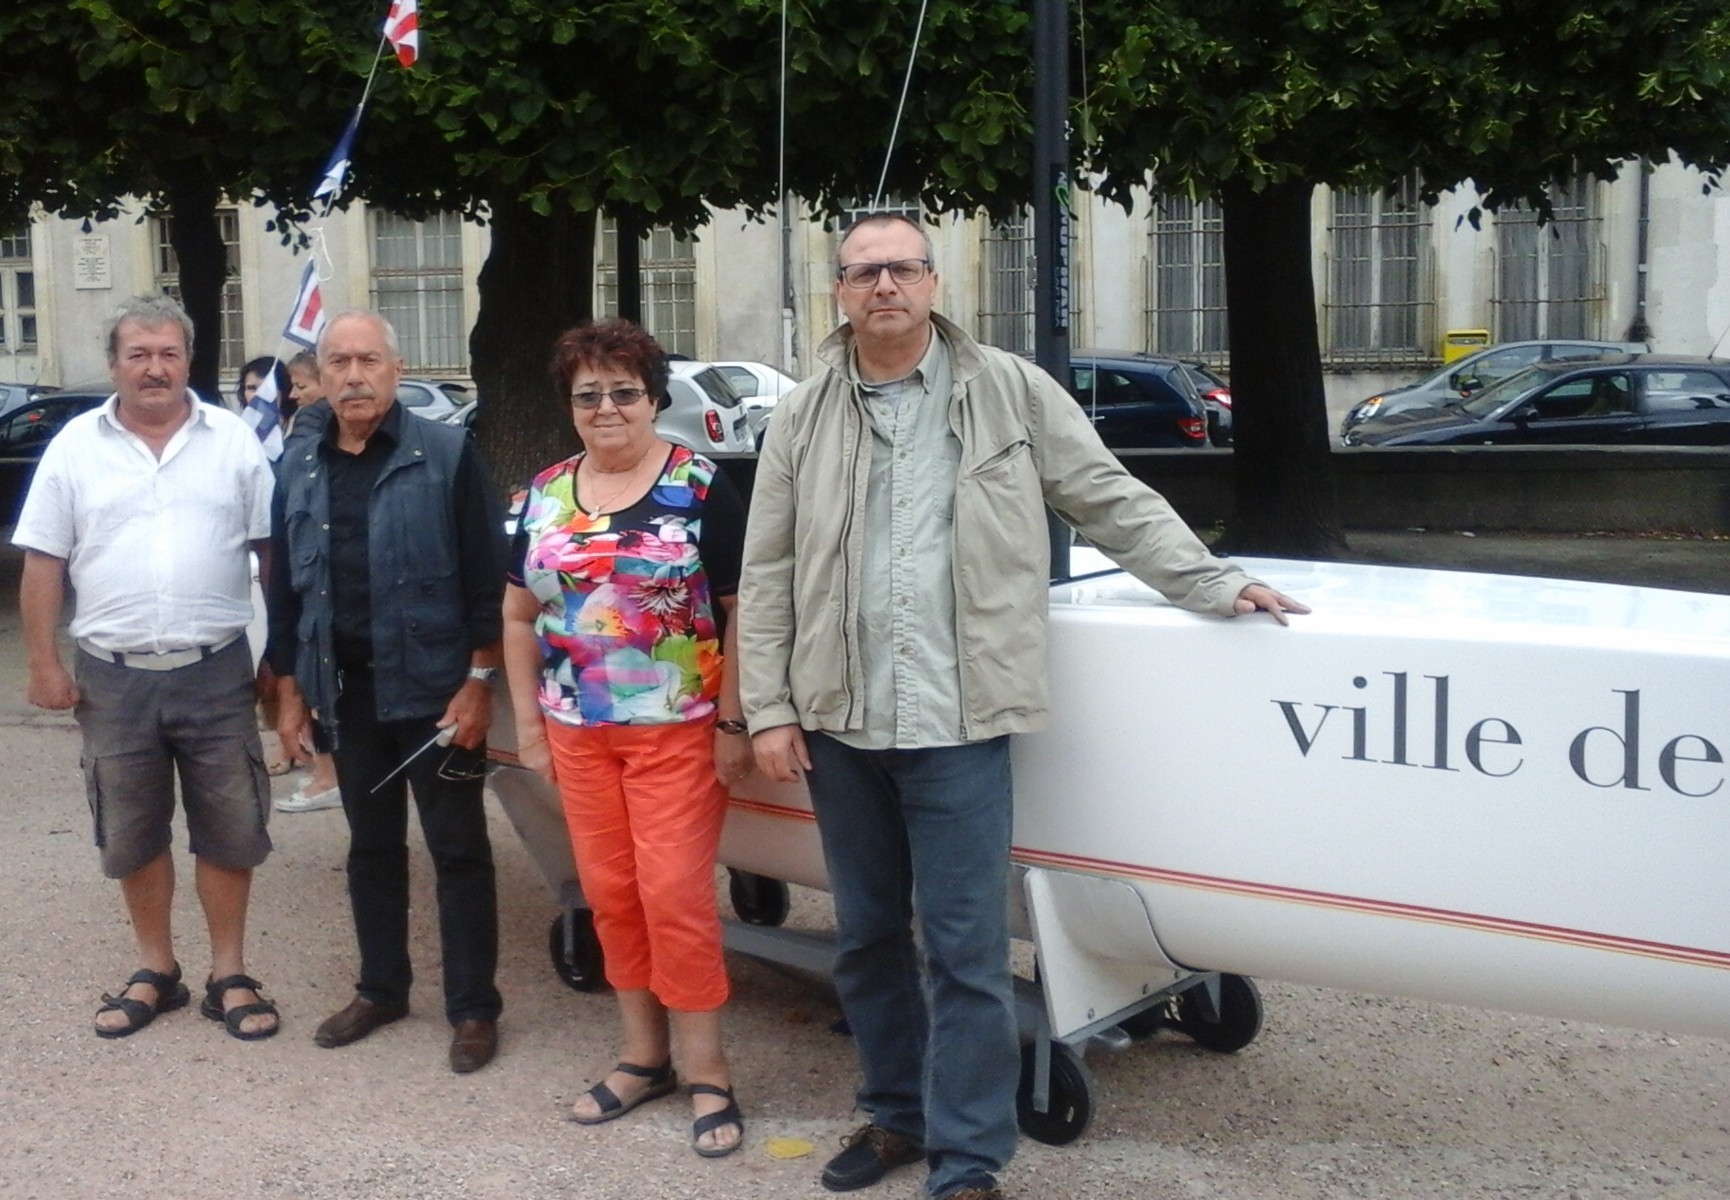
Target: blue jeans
925	833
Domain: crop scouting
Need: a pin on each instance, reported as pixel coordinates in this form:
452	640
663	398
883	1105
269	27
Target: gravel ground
1342	1095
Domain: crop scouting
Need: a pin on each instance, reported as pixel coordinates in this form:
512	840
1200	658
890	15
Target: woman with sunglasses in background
626	696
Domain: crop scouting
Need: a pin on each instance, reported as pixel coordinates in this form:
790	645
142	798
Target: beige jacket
1025	443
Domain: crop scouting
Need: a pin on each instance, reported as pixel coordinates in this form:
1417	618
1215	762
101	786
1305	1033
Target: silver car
1462	377
704	412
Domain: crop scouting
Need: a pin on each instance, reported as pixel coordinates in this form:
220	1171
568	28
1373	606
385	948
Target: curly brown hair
616	343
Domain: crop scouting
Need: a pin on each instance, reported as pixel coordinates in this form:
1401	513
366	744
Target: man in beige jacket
892	635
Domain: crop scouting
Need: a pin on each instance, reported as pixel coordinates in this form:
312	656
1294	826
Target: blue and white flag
336	170
264	414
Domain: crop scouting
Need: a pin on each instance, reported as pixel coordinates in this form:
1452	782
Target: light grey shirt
907	594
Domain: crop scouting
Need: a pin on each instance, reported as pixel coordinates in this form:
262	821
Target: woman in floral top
626	696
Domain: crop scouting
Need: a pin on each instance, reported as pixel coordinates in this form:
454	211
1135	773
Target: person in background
162	679
308	417
625	692
251	375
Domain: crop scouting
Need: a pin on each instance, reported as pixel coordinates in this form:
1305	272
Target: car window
1104	388
410	396
742	380
1497	365
1606	394
33	426
1679	390
1482	404
716	387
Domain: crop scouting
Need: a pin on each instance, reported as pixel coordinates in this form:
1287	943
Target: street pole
1051	215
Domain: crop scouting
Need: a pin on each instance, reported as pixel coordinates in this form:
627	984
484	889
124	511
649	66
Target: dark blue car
1138	401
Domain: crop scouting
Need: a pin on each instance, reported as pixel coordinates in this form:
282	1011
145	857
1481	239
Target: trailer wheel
583	969
758	899
1236	1023
1069	1107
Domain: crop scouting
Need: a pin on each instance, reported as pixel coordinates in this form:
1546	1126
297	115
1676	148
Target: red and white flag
402	31
306	322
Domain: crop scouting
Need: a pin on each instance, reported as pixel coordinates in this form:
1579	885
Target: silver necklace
630	473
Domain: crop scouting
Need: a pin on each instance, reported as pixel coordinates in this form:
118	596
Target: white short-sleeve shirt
156	548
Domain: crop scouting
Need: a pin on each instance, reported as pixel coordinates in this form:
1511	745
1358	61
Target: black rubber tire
1070	1107
758	899
584	970
1239	1020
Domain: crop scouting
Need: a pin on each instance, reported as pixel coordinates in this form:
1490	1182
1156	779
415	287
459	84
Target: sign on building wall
90	262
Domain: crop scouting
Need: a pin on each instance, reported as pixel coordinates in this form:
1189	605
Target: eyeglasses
465	766
903	271
621	397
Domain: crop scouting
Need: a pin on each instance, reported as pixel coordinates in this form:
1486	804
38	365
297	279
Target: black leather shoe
867	1156
473	1044
360	1018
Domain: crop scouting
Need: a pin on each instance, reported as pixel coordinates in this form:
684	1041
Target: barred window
1549	279
1186	311
1006	285
668	264
1379	304
17	293
232	354
417	285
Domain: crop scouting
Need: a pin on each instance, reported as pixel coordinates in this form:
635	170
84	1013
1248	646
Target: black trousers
453	820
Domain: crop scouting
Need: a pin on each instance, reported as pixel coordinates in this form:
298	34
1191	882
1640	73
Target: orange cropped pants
644	811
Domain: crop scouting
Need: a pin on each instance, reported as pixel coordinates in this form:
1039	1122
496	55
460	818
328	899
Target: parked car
1630	399
760	386
704	412
25	431
1216	394
1138	401
1476	371
431	399
17	395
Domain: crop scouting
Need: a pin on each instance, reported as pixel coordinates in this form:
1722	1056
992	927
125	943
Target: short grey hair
887	218
151	311
390	339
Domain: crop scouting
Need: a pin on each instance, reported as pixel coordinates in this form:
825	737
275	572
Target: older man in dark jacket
387	577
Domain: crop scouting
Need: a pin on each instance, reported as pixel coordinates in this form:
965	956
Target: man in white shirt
150	505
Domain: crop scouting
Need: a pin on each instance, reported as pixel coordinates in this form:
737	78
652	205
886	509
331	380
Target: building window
668	267
17	294
417	285
1548	281
1187	289
1006	285
1378	304
232	355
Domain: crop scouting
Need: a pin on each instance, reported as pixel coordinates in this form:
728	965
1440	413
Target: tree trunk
538	281
196	237
629	247
1285	498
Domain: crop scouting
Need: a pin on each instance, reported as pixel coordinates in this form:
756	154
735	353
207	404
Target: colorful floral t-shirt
627	624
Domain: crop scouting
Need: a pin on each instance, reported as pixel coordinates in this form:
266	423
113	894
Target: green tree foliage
1257	103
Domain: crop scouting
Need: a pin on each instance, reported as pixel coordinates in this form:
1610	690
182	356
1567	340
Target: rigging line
781	223
906	84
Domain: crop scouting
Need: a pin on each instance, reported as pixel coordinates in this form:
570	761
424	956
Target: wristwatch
485	674
730	726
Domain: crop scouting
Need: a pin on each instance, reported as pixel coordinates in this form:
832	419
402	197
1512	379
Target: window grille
668	265
17	293
1379	304
1186	314
232	355
417	285
1548	279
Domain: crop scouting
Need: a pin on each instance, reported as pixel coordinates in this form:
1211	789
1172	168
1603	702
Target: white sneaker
302	800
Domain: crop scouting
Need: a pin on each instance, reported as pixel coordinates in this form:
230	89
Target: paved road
1342	1095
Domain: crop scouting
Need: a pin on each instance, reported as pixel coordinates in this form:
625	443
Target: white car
433	400
761	386
704	412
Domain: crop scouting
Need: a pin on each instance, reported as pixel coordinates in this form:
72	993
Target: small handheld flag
306	322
